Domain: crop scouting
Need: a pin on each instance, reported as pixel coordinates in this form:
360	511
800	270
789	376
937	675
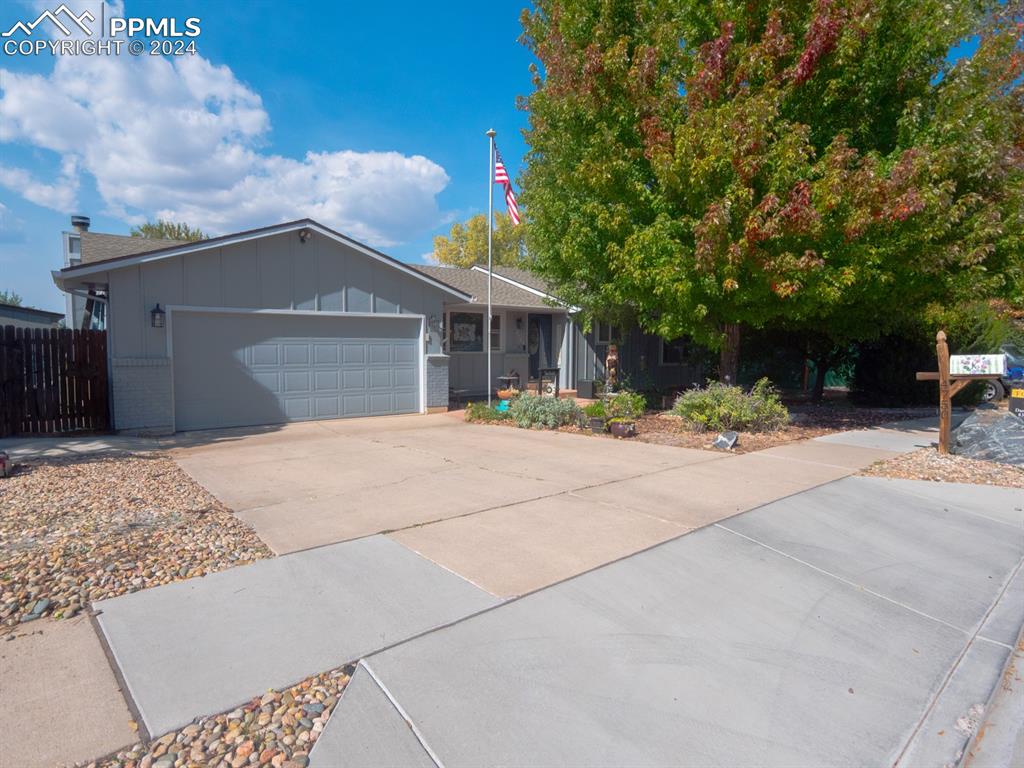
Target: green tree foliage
168	230
466	244
10	298
814	166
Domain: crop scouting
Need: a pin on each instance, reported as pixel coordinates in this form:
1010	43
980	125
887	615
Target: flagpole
490	226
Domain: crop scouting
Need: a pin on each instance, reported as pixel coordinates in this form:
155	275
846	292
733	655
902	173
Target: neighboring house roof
154	250
29	314
474	282
97	246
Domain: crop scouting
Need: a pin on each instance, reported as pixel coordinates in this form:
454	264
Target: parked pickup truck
996	389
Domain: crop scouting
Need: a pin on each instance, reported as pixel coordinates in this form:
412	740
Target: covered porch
525	342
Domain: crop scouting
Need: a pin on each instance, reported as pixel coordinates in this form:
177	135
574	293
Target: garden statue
611	368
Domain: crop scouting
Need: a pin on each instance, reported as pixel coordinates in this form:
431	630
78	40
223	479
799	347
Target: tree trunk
820	370
729	357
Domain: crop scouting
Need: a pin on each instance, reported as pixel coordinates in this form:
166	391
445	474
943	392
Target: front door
538	343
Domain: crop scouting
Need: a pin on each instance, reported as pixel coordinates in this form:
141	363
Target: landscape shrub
530	411
484	412
720	407
596	410
626	405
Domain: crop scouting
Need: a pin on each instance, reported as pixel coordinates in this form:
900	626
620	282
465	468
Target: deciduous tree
168	230
466	244
822	166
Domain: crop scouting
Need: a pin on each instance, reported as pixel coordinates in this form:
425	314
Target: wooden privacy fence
52	380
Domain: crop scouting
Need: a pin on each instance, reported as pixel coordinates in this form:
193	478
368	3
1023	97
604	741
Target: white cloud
182	138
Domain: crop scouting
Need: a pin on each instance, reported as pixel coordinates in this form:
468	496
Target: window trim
483	320
598	338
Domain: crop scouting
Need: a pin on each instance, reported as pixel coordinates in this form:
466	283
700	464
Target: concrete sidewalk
852	624
205	645
59	701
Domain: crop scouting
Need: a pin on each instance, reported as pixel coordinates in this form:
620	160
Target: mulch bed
276	730
79	529
807	422
929	464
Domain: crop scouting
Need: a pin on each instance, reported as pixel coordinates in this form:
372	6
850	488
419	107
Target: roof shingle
474	282
97	246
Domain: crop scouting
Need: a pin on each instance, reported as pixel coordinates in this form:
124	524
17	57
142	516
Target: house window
496	333
466	332
606	333
673	352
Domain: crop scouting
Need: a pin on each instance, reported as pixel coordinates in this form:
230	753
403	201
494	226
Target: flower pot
623	428
597	424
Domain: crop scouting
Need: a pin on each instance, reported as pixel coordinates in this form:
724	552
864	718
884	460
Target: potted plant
622	427
596	416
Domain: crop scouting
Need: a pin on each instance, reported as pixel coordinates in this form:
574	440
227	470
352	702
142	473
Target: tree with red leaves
823	167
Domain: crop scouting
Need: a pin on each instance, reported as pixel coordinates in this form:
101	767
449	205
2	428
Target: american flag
501	177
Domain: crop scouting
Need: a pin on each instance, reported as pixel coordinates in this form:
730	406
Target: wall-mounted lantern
157	316
519	323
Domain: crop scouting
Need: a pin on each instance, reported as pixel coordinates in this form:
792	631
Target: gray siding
639	359
277	272
274	272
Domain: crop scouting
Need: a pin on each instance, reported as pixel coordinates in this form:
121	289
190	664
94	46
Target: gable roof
146	253
15	311
474	281
97	246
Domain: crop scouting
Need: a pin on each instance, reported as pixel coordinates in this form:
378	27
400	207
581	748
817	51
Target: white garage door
242	369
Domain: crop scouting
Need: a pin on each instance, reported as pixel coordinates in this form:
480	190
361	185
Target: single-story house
296	322
27	317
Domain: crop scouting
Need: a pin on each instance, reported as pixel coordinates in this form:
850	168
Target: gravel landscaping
929	464
74	530
277	730
806	422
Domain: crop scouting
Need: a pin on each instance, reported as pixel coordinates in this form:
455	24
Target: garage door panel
405	377
325	381
381	403
296	381
353	354
327	407
269	380
247	369
380	353
354	405
353	379
325	354
296	354
297	409
266	354
405	402
380	378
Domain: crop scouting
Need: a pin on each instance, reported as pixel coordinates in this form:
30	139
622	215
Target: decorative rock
726	441
989	434
79	531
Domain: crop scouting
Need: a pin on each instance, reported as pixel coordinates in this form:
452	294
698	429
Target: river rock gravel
78	529
277	729
929	464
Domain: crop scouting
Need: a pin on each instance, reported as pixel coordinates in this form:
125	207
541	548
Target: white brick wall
142	396
437	380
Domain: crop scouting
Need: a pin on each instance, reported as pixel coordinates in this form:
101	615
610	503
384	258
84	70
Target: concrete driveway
858	623
510	510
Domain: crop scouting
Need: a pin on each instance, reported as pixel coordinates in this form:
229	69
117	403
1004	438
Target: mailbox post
950	384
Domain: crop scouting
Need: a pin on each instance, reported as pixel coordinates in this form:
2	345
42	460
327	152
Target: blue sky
367	116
